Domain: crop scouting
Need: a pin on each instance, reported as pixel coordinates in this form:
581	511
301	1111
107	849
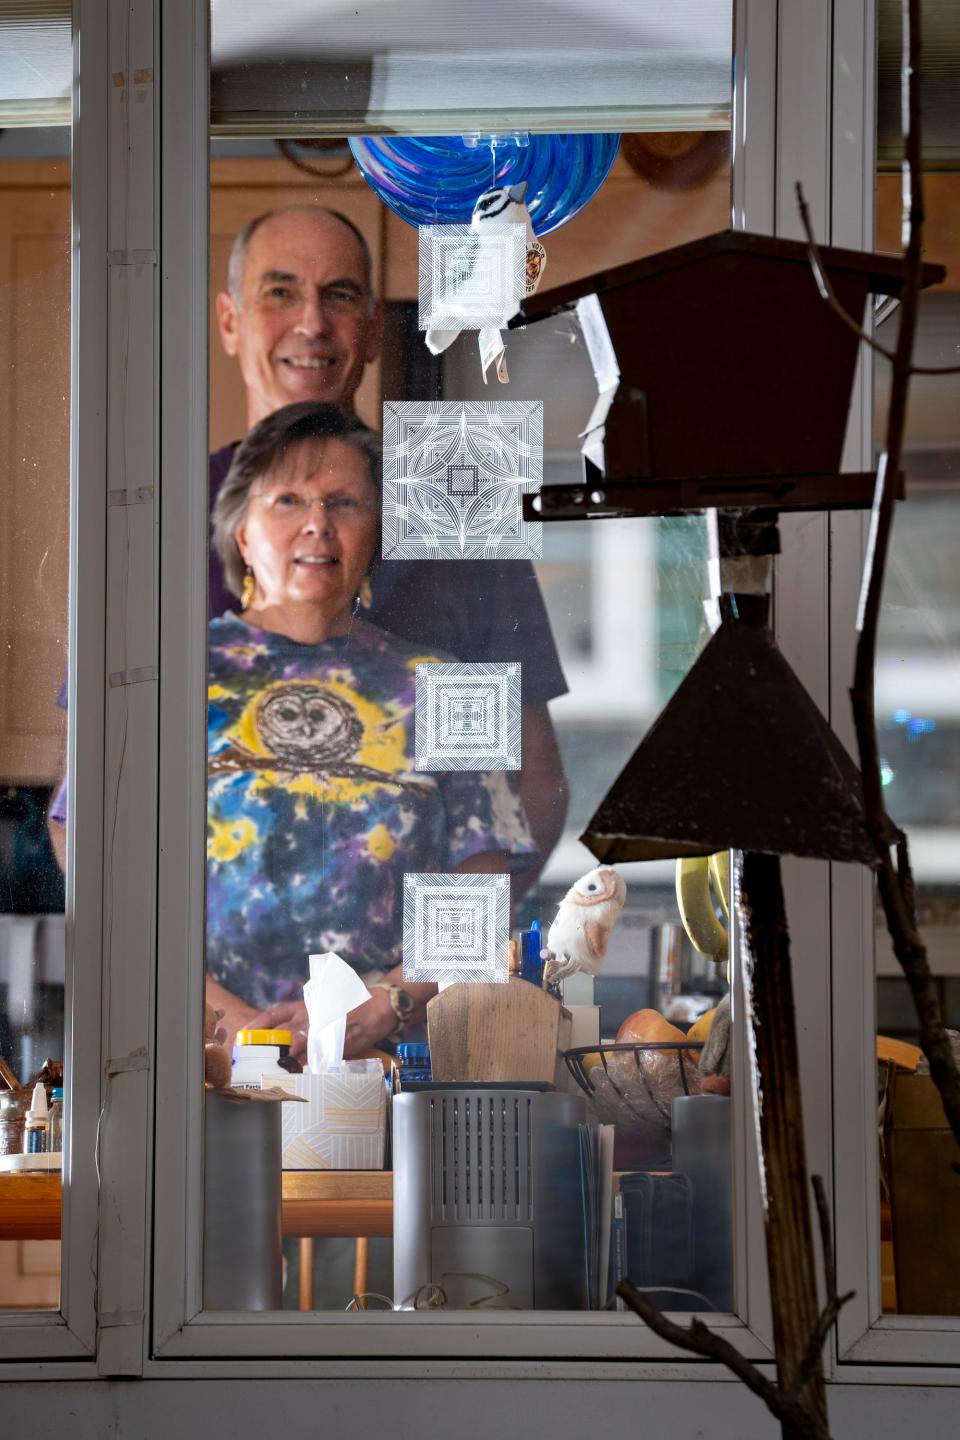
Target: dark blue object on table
531	943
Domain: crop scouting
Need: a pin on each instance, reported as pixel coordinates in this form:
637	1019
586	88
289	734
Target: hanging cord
320	172
433	1296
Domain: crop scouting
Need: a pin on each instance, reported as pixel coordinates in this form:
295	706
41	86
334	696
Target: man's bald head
238	251
299	312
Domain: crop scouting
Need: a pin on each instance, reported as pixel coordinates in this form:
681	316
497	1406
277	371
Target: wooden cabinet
34	464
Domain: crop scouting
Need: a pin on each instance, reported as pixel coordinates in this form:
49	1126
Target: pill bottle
35	1128
413	1061
259	1053
55	1122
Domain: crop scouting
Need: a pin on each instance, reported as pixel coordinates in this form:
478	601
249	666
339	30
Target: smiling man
299	312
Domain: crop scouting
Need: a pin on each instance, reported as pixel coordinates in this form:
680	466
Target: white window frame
111	826
137	757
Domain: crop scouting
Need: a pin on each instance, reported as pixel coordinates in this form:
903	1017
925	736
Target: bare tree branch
826	1239
896	884
699	1340
835	1302
828	294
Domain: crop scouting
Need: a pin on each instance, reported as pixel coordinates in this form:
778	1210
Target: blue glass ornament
436	180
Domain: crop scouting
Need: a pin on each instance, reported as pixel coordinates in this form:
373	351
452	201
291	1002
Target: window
919	736
35	524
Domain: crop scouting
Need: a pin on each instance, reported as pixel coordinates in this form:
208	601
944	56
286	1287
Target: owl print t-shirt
315	810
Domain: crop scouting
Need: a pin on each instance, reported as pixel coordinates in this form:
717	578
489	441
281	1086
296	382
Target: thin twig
835	1302
696	1338
826	1239
828	294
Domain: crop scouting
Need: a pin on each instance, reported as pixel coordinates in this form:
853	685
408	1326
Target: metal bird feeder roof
740	758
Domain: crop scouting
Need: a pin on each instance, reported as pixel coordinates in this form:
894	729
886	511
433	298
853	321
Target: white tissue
332	990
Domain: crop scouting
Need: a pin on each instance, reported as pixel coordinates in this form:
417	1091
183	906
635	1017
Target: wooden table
30	1205
315	1202
353	1204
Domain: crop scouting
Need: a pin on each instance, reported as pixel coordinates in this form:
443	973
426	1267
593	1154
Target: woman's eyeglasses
290	505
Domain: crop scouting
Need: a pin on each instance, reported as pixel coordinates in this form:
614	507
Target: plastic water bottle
413	1061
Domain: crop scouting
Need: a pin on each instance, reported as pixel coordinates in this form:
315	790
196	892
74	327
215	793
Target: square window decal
455	928
471	279
468	717
454	476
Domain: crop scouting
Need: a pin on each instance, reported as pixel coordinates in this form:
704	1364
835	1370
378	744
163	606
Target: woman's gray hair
265	447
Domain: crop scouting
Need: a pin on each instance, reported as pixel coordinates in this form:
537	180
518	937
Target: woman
315	810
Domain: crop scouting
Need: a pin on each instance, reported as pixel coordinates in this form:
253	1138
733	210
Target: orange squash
647	1026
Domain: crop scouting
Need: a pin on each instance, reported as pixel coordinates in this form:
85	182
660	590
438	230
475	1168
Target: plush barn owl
577	939
504	205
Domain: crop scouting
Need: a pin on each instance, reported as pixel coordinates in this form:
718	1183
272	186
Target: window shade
940	97
36	62
448	66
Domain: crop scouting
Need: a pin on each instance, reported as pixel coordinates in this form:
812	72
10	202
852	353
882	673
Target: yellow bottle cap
264	1037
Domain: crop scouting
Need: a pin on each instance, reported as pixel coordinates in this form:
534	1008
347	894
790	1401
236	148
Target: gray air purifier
487	1197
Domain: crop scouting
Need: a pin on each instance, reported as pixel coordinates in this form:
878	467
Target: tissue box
343	1124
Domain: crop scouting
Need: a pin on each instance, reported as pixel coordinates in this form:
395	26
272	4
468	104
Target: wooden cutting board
497	1032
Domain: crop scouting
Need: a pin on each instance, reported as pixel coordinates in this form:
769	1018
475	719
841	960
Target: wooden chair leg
306	1272
361	1265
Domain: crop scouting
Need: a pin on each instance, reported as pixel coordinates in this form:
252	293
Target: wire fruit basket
633	1086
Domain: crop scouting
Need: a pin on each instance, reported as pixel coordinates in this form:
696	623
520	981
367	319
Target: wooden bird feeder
735	377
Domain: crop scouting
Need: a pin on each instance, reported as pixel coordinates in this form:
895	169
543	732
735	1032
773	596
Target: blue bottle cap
413	1050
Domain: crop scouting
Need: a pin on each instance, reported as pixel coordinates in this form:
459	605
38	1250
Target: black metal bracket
621	499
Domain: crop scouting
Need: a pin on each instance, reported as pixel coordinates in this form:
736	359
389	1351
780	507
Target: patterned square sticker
471	279
455	928
454	476
468	717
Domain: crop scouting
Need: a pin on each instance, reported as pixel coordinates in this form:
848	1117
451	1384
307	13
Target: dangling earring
249	590
365	593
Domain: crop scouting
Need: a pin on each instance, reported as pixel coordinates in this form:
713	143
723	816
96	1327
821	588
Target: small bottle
35	1129
531	963
260	1054
413	1061
55	1122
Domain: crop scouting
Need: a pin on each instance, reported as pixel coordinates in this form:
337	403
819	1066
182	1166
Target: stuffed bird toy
577	939
504	205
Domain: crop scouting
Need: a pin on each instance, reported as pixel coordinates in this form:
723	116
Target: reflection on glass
34	544
918	719
320	816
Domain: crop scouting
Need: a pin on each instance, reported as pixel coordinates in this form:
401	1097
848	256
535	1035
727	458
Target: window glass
918	684
34	552
564	643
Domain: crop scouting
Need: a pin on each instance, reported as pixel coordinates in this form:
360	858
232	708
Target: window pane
311	850
34	549
918	684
